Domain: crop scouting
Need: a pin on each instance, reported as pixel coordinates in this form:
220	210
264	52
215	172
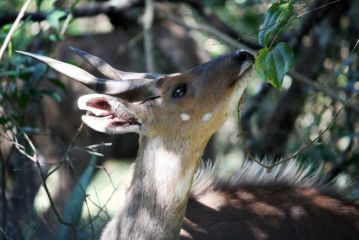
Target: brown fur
290	202
271	212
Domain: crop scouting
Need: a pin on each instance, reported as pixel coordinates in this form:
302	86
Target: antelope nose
243	56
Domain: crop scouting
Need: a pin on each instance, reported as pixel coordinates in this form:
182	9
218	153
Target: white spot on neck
206	117
185	117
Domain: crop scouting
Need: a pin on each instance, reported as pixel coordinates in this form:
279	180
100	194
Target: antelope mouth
109	120
105	112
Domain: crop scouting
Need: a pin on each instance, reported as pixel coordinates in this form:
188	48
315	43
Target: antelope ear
110	115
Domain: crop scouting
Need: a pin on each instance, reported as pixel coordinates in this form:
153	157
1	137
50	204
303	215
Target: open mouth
105	111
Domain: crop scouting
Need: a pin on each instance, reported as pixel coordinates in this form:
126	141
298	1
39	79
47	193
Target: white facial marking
185	117
206	117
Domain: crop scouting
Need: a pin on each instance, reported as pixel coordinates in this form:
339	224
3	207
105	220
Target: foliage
273	64
15	96
275	60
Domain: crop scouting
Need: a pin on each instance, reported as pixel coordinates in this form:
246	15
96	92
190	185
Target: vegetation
307	50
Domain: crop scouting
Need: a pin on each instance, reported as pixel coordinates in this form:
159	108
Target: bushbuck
175	115
56	136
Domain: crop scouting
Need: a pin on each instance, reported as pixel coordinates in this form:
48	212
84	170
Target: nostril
242	56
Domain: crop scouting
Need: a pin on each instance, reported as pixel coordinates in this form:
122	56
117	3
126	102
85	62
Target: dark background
39	118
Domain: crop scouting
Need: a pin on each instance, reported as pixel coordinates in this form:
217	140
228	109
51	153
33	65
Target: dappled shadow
271	212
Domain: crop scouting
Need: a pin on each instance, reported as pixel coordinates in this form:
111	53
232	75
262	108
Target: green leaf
276	17
54	37
55	17
272	65
6	28
259	64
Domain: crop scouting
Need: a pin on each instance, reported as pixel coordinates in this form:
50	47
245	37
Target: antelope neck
163	175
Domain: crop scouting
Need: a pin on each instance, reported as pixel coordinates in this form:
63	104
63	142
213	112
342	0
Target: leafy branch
274	61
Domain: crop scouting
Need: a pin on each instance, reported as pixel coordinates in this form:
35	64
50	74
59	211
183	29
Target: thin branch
34	157
70	146
66	24
92	149
204	28
247	113
86	11
48	194
20	147
3	231
308	145
14	27
299	77
207	14
355	46
318	8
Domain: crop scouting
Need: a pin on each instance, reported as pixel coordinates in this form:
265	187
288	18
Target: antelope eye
180	91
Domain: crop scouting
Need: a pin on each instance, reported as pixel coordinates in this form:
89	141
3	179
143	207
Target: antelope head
181	104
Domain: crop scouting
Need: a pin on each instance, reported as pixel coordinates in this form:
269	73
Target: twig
69	148
48	194
318	8
355	46
68	19
310	144
34	158
103	208
91	219
92	149
246	114
111	9
14	26
299	77
205	28
3	231
212	19
21	148
131	43
86	11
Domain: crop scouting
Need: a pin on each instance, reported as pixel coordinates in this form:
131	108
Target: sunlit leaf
272	65
55	17
276	17
54	37
259	64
